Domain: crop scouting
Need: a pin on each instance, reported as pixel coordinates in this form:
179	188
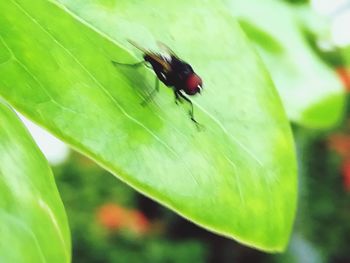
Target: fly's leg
135	65
151	94
179	96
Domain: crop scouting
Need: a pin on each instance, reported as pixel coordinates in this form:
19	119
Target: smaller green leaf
346	55
311	92
33	224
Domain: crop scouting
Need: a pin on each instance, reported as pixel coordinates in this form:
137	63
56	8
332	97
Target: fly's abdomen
158	67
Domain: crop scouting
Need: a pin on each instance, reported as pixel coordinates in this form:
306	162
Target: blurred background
110	222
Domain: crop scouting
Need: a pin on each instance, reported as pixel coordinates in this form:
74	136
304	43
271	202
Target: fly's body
173	72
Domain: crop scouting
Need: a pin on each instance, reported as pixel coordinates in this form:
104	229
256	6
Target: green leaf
308	87
345	53
236	178
33	224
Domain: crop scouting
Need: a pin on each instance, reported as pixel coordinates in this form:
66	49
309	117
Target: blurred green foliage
85	188
325	207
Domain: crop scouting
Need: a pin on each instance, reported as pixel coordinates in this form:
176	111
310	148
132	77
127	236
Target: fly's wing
166	49
138	46
155	57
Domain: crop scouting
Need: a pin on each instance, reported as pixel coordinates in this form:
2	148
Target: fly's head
193	84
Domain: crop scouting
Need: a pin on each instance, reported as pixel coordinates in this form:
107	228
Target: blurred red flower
346	174
139	222
111	216
116	217
344	75
340	143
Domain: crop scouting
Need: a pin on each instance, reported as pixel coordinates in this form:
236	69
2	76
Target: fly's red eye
193	84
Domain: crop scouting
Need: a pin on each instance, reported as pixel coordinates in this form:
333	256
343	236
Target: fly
173	72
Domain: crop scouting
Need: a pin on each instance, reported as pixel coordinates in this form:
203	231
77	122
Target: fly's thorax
181	70
158	62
